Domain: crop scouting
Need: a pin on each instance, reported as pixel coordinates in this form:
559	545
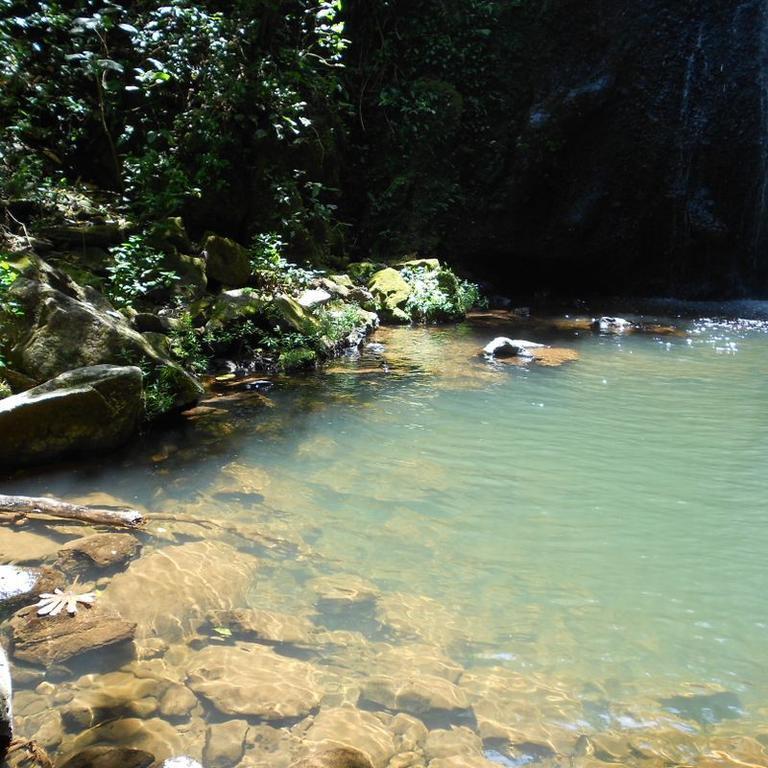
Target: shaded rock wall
642	160
626	151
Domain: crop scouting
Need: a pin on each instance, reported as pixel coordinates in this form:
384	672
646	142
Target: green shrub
272	271
187	347
9	308
297	359
136	272
337	323
438	295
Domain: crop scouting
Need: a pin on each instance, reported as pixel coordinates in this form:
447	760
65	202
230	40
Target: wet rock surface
254	681
51	639
179	588
109	757
102	550
267	627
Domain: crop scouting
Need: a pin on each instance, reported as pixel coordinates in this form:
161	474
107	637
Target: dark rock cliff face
641	162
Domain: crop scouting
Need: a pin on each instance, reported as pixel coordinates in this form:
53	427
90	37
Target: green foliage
438	101
159	389
437	295
187	347
272	271
297	358
174	102
136	272
337	323
9	308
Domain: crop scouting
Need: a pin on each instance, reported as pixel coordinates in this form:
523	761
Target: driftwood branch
27	506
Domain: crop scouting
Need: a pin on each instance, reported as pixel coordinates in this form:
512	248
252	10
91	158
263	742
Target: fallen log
28	506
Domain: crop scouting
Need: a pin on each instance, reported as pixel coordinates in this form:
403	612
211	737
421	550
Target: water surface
597	529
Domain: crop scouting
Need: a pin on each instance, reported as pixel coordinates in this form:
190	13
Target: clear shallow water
599	528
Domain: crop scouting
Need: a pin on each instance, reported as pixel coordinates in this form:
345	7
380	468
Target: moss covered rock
63	326
85	410
227	262
292	316
390	293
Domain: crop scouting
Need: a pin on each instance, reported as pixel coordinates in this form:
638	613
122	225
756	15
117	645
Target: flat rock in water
414	693
349	728
52	639
168	592
611	325
109	757
254	681
153	736
267	627
102	550
181	762
339	757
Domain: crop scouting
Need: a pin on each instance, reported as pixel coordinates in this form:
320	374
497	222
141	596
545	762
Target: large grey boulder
85	410
64	326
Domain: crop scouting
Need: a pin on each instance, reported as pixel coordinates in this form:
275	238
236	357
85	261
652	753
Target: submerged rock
340	757
254	681
52	639
109	757
505	347
102	550
153	736
339	592
225	744
178	586
349	728
264	626
416	694
89	409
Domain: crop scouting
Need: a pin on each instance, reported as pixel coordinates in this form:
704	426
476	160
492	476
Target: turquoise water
601	525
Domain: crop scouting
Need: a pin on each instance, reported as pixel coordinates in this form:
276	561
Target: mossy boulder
64	326
362	271
227	262
431	264
390	293
293	317
168	235
86	410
